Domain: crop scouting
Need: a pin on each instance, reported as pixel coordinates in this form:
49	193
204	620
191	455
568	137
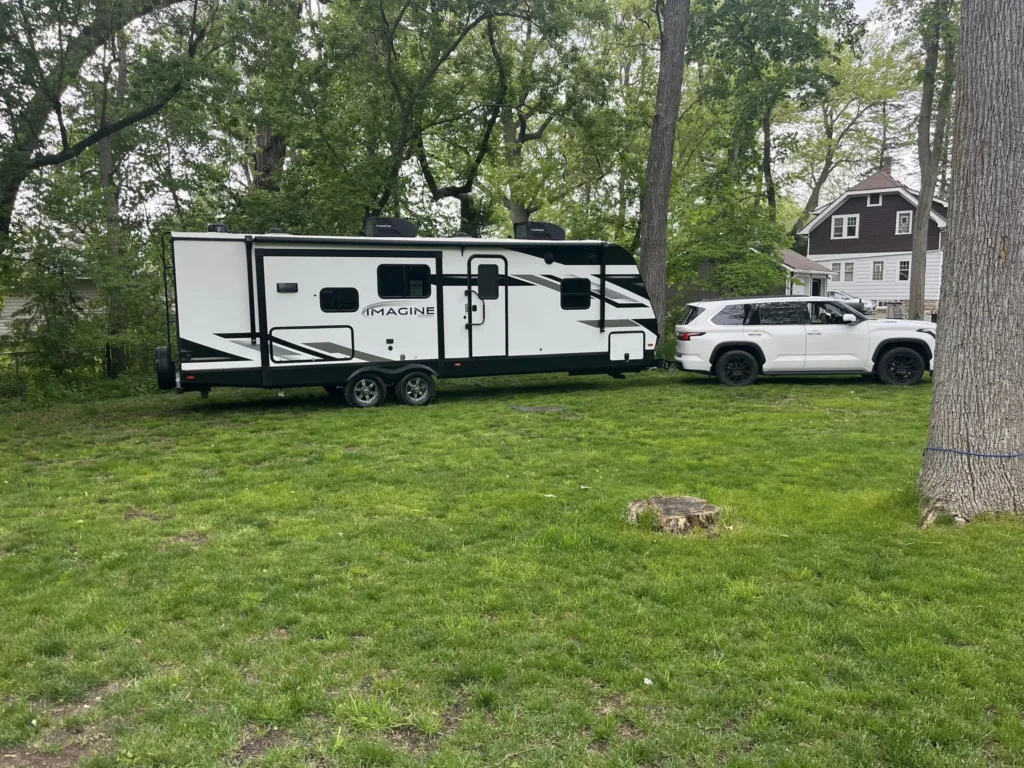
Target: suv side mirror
849	319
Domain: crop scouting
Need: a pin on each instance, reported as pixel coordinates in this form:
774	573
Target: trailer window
487	282
576	293
403	281
339	300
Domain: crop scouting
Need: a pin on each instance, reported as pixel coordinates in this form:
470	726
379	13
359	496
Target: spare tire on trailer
165	378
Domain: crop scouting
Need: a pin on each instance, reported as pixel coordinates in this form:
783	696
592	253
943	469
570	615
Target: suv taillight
687	335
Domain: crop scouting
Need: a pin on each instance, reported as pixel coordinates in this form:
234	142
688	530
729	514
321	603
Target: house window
576	293
875	200
837	271
849	272
403	281
339	300
904	271
487	281
878	270
845	227
904	222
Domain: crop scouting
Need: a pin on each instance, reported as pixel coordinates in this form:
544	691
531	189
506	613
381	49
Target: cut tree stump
675	514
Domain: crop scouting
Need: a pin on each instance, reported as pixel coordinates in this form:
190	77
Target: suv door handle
754	333
815	333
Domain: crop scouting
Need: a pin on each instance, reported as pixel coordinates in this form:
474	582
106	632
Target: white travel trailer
359	314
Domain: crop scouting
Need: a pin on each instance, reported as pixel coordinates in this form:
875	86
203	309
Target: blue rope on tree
973	455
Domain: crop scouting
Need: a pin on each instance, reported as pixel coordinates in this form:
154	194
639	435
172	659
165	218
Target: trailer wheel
365	390
416	388
164	368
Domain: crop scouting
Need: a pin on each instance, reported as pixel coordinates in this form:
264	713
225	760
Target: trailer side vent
538	230
380	226
219	227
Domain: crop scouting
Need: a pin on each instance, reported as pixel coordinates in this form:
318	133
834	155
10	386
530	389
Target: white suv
738	339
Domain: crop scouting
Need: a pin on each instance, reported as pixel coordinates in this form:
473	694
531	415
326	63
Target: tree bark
675	18
976	423
936	96
766	161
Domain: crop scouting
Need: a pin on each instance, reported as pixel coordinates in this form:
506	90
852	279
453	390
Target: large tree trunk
675	17
974	464
117	320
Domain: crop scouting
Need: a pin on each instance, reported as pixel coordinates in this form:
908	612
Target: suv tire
365	390
901	366
736	368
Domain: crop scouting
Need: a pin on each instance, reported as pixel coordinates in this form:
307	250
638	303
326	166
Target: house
10	306
864	237
803	276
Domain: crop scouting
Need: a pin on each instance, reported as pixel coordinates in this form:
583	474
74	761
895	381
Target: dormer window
875	200
904	222
845	227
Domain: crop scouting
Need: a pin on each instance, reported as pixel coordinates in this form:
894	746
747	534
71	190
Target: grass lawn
279	582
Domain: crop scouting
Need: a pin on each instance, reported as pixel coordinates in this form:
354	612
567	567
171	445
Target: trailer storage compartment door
311	344
626	345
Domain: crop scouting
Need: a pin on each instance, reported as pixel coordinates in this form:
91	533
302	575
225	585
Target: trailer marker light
458	365
190	378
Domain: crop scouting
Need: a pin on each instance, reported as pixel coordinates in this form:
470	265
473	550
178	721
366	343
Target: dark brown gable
877	228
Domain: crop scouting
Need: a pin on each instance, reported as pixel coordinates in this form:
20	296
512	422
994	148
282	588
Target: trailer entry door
487	304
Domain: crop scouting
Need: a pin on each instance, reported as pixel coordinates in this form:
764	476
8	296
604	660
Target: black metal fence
21	372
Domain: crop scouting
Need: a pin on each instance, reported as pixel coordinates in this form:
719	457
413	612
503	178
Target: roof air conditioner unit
380	226
538	230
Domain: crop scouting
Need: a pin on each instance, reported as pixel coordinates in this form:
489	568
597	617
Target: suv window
734	314
783	313
692	313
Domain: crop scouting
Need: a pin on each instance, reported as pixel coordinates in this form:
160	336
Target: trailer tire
365	390
164	368
416	388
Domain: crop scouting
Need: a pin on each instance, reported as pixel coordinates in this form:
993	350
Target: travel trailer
358	315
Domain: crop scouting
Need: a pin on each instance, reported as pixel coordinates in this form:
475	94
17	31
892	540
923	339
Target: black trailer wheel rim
738	370
902	368
366	391
416	389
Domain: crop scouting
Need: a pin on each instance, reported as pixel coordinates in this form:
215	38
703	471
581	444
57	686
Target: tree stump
674	514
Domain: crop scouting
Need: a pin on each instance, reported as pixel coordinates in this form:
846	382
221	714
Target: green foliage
464	115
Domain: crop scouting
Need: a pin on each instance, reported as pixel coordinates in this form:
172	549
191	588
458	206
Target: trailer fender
391	375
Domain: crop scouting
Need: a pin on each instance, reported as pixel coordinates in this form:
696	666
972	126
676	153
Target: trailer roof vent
381	226
538	230
219	227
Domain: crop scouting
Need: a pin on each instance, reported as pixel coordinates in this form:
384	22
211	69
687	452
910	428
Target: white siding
890	288
11	305
86	289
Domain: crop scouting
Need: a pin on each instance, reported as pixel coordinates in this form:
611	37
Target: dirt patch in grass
411	740
609	705
281	633
93	699
627	730
256	741
60	750
193	539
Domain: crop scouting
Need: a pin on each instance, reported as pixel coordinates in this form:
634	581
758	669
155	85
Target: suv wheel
901	366
365	390
737	368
